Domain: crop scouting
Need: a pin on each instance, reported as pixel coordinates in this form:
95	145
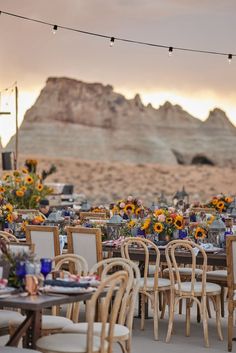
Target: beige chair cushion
7	316
185	271
120	331
162	282
210	288
68	343
49	322
16	350
217	274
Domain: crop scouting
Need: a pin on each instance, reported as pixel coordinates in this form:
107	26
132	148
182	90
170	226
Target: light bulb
112	41
54	30
170	51
230	57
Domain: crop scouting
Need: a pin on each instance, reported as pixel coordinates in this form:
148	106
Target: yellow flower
158	212
29	179
23	188
2	190
19	193
38	219
23	225
168	220
18	180
16	173
10	218
220	205
6	176
228	199
138	211
115	210
129	206
40	187
8	207
24	171
211	219
214	201
131	224
200	233
158	227
179	222
146	224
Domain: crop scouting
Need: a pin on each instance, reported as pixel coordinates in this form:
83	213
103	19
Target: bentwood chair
123	327
109	294
46	240
193	291
8	237
150	287
86	242
231	278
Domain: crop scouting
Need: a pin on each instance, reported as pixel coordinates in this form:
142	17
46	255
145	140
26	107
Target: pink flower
122	205
161	218
139	202
130	198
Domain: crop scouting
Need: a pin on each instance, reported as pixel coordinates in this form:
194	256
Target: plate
7	290
64	290
213	250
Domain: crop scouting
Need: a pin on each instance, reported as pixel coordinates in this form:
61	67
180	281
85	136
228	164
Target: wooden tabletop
38	302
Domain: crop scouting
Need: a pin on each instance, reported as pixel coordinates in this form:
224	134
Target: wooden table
182	257
32	306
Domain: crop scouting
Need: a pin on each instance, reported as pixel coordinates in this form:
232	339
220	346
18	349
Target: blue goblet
20	273
46	267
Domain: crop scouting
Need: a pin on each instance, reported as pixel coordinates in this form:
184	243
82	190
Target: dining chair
124	325
194	290
109	294
150	287
21	248
8	237
231	279
45	239
92	215
6	317
86	242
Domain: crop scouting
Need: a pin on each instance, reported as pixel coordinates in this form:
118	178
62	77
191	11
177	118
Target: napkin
68	284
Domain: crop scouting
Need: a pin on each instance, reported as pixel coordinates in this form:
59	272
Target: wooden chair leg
171	316
188	308
155	314
180	306
230	325
218	316
143	300
205	321
208	308
222	300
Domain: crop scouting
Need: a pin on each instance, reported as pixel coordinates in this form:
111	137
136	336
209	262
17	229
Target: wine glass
20	271
46	267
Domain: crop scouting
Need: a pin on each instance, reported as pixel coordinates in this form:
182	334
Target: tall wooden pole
16	139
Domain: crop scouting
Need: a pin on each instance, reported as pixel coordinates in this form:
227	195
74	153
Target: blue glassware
46	267
20	270
183	233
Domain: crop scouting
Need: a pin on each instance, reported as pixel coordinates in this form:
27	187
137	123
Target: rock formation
90	121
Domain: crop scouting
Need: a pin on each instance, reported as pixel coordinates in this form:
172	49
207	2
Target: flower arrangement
23	188
131	205
7	214
199	231
220	202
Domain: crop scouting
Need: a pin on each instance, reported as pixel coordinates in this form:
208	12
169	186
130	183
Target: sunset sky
30	52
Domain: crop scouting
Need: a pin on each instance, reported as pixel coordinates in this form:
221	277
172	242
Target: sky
30	52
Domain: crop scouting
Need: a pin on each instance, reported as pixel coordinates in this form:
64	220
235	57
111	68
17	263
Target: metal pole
16	140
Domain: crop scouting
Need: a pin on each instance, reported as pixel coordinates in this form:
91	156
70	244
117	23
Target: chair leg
143	299
222	297
155	314
208	308
163	308
180	306
205	321
188	307
218	317
171	316
230	325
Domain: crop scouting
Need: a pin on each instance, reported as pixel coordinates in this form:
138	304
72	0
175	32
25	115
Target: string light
230	56
112	41
54	29
126	40
170	51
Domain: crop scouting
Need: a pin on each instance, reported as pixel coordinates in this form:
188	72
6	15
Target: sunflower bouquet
23	189
220	202
131	205
7	214
200	231
163	222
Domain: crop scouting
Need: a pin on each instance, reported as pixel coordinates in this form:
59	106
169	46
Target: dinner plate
7	290
66	290
213	250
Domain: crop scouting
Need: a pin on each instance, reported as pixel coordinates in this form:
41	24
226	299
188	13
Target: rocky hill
90	121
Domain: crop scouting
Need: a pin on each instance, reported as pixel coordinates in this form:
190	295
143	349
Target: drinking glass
46	267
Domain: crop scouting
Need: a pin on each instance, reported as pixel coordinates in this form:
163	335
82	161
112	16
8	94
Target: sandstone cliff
90	121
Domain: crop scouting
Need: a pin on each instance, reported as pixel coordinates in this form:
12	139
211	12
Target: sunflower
168	220
24	171
220	205
211	219
179	222
8	207
200	233
131	224
158	227
40	188
158	212
2	190
10	218
16	173
115	210
17	180
228	199
23	188
129	206
6	176
19	193
29	179
146	224
214	201
138	211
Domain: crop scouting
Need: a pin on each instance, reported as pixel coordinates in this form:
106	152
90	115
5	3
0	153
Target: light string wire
126	40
